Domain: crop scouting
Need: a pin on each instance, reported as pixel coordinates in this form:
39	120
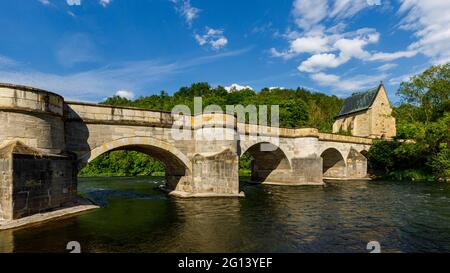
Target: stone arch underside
178	166
269	163
333	164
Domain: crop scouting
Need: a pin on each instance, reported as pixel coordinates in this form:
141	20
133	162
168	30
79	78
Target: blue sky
90	49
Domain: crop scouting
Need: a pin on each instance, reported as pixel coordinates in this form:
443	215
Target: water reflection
340	217
6	241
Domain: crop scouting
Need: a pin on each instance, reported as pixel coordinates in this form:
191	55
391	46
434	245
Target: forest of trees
422	117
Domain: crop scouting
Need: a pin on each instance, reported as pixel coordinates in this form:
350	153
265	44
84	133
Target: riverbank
410	175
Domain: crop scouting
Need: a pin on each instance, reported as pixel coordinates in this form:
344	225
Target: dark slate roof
359	102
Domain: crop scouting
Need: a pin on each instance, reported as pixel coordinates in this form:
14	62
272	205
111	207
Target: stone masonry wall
5	189
382	122
40	184
216	173
358	124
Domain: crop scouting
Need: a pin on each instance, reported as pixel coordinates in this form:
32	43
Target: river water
339	217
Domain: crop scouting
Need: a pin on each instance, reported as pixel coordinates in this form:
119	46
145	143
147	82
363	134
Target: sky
88	50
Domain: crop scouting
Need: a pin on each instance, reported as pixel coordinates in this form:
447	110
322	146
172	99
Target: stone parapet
33	116
98	113
347	139
23	98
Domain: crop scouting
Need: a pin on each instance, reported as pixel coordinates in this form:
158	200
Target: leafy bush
381	155
440	163
408	175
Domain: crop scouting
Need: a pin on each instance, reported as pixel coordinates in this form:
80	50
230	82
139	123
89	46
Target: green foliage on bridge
424	119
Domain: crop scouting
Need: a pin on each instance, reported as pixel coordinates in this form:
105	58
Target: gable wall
382	121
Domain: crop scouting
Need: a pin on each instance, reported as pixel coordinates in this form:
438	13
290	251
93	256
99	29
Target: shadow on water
340	217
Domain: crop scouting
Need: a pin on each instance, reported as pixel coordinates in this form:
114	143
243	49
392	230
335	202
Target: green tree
428	91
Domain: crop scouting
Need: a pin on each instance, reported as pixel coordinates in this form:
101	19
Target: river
342	216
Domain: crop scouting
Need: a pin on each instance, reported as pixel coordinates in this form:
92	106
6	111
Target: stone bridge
45	141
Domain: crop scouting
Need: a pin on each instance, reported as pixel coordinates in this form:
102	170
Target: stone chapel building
367	114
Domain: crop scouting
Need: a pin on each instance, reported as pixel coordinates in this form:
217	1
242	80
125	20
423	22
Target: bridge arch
268	162
152	146
333	163
178	166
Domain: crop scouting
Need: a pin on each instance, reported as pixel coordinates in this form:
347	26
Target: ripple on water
339	217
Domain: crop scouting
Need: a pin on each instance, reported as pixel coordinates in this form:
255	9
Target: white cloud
7	62
346	47
307	44
374	2
236	87
308	13
212	37
284	54
325	79
336	83
76	49
222	41
321	61
95	84
313	44
386	67
352	48
347	8
73	2
186	10
44	2
104	3
399	79
430	22
406	77
332	47
381	56
125	94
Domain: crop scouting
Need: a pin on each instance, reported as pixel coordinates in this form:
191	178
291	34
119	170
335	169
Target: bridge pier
306	164
303	171
356	165
33	182
215	164
289	166
212	175
216	174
